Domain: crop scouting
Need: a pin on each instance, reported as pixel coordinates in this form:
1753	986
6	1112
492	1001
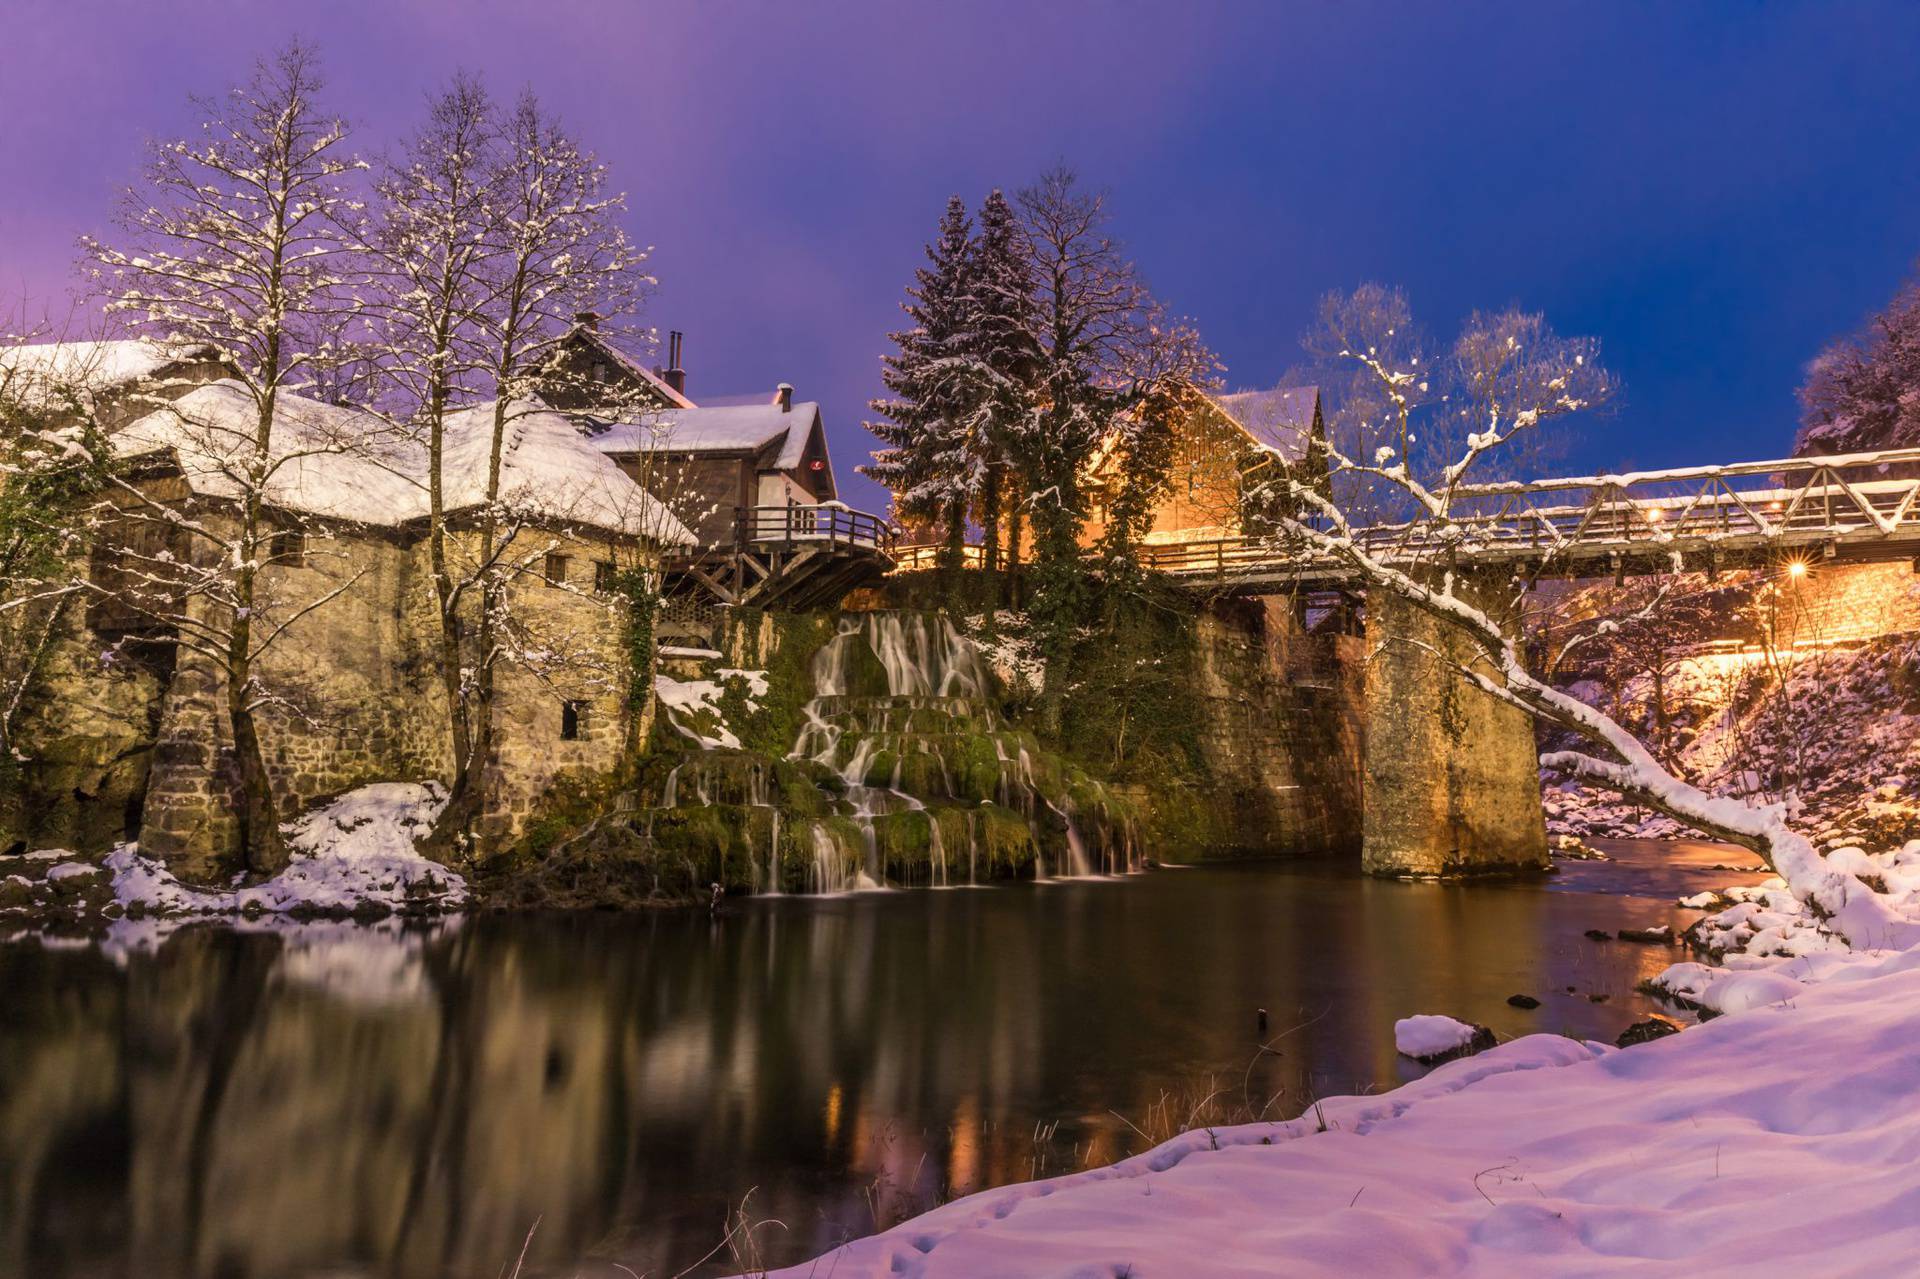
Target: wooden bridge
1857	507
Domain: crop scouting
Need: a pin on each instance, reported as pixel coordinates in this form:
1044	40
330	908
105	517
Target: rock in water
1652	1028
1523	1001
1599	934
1430	1038
1658	936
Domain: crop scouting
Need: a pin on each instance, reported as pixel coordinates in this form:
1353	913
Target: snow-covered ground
1780	1138
354	851
1841	747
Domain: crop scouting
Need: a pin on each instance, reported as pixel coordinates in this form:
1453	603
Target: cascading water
901	774
900	718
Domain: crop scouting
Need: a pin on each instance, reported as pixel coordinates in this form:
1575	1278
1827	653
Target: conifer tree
1006	360
933	460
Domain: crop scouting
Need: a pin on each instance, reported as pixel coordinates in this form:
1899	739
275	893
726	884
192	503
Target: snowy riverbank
1777	1139
352	856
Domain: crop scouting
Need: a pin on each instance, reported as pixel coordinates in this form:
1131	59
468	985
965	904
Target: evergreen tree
932	461
1006	362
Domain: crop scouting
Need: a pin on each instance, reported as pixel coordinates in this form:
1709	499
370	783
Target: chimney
675	376
783	396
589	320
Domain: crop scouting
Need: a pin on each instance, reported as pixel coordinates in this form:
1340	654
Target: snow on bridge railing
1788	502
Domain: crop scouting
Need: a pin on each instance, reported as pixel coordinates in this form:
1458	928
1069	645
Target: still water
333	1100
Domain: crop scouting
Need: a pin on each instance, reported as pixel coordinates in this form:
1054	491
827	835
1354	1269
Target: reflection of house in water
1223	448
750	474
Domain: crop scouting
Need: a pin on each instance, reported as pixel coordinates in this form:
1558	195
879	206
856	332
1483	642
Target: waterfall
902	739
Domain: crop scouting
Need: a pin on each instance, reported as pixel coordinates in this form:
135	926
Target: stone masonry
1452	775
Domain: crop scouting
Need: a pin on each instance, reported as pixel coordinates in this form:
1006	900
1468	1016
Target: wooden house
714	461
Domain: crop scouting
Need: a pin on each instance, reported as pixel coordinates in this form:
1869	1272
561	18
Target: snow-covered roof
546	467
35	371
1281	418
726	428
321	450
346	463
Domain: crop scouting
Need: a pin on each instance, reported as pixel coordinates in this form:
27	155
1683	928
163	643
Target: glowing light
1796	569
1655	515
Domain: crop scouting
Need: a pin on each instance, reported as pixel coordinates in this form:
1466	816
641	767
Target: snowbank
1775	1141
356	851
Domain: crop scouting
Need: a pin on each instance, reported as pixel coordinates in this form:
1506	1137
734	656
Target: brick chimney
783	396
673	374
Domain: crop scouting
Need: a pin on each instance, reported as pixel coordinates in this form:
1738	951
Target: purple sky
1712	189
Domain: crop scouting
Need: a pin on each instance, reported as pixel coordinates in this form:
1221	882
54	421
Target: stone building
1227	444
346	629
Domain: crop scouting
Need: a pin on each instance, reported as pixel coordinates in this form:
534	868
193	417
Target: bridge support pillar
1452	774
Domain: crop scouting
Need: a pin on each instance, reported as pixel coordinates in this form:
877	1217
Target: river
338	1100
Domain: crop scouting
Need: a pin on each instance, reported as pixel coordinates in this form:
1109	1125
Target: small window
556	570
287	547
573	721
604	578
600	370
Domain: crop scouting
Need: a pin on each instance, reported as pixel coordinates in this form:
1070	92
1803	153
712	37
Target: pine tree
1007	359
933	461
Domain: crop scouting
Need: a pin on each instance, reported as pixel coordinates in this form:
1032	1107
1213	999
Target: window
573	721
604	579
287	547
600	370
556	569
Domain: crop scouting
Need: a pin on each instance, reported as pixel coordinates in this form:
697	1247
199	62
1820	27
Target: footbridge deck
1862	506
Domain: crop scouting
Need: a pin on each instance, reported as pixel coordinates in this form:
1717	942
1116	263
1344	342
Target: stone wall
1280	735
575	654
354	697
356	693
1452	776
1849	603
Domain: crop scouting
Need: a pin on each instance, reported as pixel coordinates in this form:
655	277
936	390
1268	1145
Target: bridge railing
1854	498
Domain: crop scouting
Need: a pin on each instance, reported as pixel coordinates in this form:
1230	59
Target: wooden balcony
788	557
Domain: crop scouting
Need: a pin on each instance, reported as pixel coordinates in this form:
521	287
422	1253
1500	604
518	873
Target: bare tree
235	239
430	238
1107	350
557	253
1427	573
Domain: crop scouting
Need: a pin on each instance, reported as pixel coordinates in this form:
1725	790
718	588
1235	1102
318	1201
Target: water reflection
408	1102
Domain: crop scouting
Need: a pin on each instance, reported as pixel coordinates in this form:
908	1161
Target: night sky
1712	189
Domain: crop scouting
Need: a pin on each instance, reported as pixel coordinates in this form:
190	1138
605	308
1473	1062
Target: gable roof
777	437
345	463
591	337
1280	419
35	372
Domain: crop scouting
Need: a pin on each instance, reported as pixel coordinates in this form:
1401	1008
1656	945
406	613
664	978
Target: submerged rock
1523	1001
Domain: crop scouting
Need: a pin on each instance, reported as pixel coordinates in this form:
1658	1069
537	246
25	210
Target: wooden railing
831	525
1868	503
